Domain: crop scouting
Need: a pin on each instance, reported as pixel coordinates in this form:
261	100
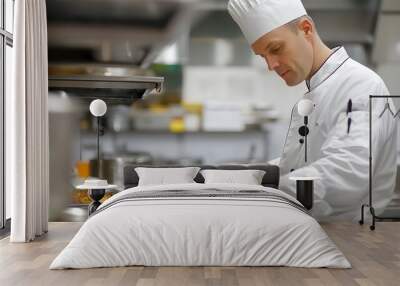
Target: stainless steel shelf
107	87
108	82
167	132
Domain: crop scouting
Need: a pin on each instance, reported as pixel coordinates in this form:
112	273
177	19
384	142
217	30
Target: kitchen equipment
118	118
112	166
156	121
64	116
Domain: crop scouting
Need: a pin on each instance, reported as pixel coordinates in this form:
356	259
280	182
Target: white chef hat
258	17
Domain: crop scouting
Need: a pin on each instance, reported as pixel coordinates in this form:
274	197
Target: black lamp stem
305	152
98	146
305	138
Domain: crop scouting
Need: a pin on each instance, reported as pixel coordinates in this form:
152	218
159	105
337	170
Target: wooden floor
375	257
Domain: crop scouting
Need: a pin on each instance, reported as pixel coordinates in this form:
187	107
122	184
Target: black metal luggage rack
370	205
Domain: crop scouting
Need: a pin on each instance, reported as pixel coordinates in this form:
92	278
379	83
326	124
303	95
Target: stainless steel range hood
125	32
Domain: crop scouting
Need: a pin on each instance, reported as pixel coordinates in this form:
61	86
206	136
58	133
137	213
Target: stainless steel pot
112	166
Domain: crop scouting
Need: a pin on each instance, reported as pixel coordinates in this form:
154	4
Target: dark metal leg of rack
372	211
361	221
375	218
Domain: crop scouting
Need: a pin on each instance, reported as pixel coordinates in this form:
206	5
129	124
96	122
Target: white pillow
248	177
165	176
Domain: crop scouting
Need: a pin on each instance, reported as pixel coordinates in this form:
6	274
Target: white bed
185	230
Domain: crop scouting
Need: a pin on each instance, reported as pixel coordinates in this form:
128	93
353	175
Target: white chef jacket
341	159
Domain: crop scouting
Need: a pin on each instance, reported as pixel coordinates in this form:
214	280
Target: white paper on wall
229	84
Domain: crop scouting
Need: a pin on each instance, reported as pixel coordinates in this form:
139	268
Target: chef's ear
306	25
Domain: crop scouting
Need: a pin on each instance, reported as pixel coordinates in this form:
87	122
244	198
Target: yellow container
82	168
177	125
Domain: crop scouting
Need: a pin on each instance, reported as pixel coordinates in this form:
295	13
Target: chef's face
288	50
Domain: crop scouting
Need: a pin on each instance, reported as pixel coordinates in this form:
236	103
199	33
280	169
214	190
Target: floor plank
374	255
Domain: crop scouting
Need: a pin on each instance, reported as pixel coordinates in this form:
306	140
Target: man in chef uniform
282	34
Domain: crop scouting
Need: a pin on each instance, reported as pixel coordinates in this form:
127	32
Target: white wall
211	148
390	74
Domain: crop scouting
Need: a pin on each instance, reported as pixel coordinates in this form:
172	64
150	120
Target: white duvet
200	231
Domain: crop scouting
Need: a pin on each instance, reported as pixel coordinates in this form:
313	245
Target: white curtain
27	143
